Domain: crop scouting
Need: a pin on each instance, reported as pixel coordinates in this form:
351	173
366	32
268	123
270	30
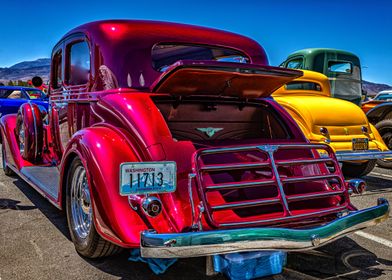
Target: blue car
11	97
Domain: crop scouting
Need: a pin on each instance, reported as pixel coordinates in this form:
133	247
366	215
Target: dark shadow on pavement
14	205
54	215
343	258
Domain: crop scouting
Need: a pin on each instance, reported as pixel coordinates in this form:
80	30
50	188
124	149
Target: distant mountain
40	62
41	67
373	88
26	70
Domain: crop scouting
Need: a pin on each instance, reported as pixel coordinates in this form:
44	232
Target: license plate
147	177
360	144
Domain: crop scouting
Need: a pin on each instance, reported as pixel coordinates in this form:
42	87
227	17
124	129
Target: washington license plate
147	177
360	144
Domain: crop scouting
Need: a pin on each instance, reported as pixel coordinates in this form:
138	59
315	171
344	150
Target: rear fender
380	143
10	144
102	149
380	112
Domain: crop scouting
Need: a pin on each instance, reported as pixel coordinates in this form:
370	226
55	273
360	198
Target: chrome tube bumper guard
203	243
362	155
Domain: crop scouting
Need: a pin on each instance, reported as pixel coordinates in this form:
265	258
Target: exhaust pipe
356	186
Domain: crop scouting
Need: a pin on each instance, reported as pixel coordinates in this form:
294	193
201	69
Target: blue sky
29	29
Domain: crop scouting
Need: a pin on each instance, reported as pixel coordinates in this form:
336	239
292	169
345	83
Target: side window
57	70
78	63
296	63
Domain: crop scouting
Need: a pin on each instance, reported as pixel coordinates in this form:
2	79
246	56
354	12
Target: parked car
380	98
11	97
343	70
339	123
163	137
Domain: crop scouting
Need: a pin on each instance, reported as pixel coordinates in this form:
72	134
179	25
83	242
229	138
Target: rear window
303	86
164	55
340	67
11	94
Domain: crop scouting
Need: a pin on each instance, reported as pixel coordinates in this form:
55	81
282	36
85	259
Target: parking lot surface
35	244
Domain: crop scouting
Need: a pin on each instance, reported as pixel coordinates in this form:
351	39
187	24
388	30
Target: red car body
258	173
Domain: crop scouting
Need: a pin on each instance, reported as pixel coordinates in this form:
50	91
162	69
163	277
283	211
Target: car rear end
254	181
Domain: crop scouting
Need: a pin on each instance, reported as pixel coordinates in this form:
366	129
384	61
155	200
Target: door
70	77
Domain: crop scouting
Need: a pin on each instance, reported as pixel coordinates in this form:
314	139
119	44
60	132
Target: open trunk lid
213	78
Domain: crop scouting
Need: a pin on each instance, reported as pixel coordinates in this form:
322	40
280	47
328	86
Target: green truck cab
342	68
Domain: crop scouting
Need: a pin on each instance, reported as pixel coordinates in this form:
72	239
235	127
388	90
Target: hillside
373	88
26	70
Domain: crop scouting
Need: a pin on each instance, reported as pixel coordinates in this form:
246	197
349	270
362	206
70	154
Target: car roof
316	51
388	91
124	46
307	77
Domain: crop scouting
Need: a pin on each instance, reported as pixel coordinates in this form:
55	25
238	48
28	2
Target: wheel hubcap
81	203
21	139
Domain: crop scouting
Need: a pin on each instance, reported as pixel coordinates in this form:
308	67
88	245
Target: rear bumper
195	244
362	155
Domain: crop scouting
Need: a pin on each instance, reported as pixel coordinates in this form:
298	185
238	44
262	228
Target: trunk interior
247	186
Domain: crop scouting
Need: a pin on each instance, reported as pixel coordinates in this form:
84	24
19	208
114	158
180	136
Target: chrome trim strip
362	155
204	243
303	161
245	204
309	178
233	166
229	186
314	195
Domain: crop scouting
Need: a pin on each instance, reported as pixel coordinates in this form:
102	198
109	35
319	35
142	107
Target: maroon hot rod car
163	137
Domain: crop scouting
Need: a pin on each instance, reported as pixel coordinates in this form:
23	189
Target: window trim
196	45
340	61
68	43
59	49
295	58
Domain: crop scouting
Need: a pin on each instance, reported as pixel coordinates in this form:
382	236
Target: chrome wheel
81	203
22	138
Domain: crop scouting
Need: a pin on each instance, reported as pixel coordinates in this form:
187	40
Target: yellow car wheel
384	127
355	170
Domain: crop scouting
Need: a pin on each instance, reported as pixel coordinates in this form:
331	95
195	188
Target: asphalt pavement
35	244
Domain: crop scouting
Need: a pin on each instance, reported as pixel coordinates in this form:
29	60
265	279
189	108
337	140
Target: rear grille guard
333	182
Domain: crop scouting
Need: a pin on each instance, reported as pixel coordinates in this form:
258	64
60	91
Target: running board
46	178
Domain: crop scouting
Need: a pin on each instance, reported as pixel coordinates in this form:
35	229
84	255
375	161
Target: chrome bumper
362	155
203	243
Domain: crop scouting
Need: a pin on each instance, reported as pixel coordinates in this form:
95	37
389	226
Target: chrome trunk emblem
209	131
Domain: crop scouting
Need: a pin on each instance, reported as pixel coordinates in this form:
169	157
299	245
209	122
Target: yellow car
339	123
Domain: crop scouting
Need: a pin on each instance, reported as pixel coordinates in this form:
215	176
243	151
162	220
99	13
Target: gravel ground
35	244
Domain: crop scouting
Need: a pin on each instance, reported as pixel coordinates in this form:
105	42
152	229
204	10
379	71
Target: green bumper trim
247	239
